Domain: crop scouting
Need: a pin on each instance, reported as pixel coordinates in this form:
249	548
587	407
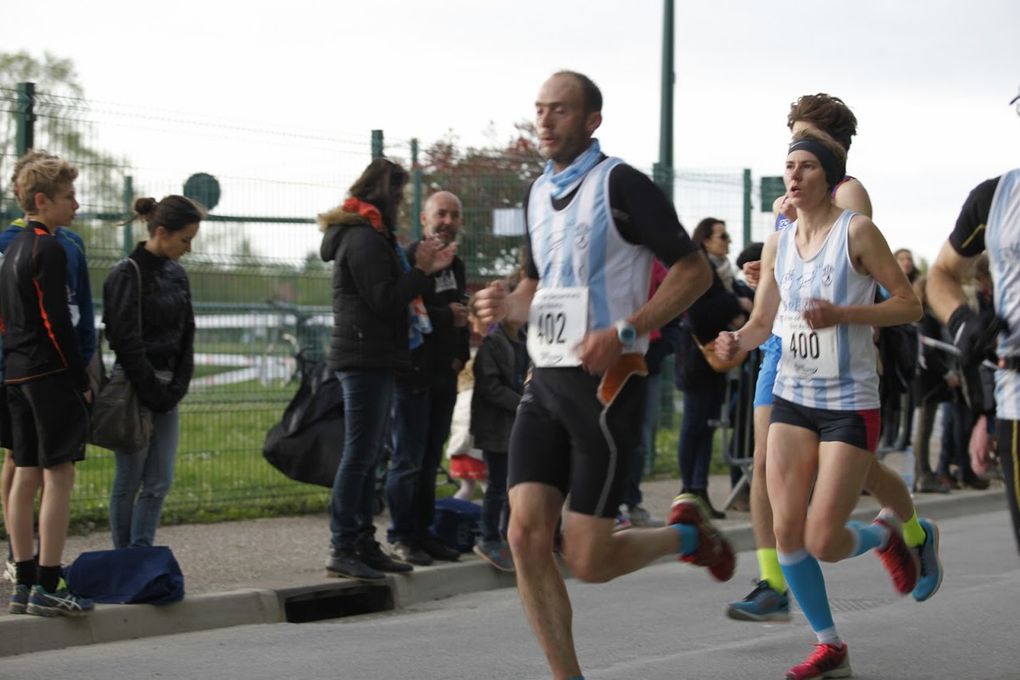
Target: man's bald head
442	216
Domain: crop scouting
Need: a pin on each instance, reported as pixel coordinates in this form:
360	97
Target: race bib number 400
808	352
557	322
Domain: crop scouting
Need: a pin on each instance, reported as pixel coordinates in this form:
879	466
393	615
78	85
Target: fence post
747	206
129	210
377	144
416	196
24	113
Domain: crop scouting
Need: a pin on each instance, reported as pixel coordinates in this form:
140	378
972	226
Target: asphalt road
664	622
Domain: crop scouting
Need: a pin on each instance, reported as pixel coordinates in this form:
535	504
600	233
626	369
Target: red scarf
366	210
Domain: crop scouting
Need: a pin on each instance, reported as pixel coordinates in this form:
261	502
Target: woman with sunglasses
720	308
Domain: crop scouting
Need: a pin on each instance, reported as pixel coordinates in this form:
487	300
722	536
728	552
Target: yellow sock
913	532
768	565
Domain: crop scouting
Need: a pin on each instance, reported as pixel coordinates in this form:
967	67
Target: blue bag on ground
456	523
127	576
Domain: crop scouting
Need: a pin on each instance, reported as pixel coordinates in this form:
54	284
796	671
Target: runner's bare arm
945	281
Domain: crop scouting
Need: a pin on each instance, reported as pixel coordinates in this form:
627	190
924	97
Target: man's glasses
724	236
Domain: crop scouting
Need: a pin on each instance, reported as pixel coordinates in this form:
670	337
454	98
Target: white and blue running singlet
833	368
579	246
1002	242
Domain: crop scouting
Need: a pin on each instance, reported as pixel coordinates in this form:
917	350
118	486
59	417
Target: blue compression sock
804	577
688	538
866	536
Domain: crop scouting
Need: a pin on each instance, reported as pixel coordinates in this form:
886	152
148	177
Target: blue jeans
694	450
368	395
421	425
134	515
644	454
495	511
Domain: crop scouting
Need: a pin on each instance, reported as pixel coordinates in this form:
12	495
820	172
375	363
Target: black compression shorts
564	436
856	428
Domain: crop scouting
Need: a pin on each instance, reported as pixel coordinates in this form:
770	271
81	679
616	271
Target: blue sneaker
19	599
931	566
763	604
60	603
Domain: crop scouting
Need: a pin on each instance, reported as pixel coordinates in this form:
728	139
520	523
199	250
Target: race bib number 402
808	352
557	323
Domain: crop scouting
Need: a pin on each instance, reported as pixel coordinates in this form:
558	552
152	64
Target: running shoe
931	566
764	603
713	551
827	661
899	560
496	553
62	602
639	517
19	599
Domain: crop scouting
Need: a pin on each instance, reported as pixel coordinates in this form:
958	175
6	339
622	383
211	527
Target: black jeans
421	424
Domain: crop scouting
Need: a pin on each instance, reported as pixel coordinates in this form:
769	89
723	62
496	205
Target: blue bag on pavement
456	522
127	576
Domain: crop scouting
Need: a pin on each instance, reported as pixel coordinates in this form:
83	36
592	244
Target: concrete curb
340	597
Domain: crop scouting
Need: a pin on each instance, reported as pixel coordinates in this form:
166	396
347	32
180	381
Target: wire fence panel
261	290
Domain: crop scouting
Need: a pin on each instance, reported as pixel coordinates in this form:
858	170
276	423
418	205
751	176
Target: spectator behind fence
425	395
500	367
79	300
157	358
897	403
378	317
717	310
47	386
934	384
958	418
467	465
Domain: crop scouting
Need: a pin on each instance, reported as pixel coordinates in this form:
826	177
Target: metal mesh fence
261	291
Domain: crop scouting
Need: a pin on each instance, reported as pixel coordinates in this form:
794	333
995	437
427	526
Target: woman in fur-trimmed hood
375	324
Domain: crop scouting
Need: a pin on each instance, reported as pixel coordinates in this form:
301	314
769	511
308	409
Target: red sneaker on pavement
714	551
827	661
899	560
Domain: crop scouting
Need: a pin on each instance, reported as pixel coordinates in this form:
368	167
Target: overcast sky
929	80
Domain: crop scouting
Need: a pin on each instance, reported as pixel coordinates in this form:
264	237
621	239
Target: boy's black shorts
48	421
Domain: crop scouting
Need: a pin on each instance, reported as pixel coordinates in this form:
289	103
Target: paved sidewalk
248	572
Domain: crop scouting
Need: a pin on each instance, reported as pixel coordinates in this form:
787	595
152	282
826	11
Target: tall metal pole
128	197
25	116
417	192
662	172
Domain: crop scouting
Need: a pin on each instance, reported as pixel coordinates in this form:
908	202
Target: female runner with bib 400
818	277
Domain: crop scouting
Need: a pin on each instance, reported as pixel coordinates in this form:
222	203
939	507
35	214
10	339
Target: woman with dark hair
378	318
717	310
151	287
818	277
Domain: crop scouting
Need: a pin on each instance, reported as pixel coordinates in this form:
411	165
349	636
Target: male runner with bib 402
594	225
